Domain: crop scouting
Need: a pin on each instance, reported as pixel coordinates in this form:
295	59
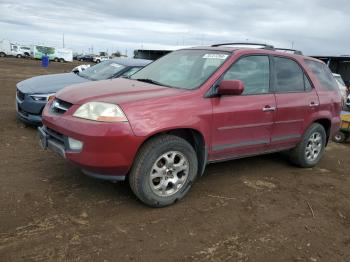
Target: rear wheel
56	59
2	54
311	148
98	61
163	171
340	137
61	60
19	56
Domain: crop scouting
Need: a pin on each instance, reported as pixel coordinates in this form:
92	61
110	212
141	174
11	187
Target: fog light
75	144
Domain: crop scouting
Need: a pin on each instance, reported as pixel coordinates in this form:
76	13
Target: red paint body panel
240	127
232	126
108	148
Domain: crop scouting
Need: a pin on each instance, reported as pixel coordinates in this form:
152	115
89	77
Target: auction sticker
215	56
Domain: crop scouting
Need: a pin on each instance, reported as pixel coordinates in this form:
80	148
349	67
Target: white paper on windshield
115	65
215	56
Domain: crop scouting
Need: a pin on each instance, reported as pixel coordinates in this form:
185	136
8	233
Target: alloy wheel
169	173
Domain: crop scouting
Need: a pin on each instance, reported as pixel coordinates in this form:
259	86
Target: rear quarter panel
330	102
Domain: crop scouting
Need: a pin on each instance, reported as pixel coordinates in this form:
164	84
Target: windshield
186	69
102	71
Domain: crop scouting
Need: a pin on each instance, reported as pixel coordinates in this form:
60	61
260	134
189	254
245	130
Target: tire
18	56
98	61
340	137
310	149
153	157
56	59
61	60
2	54
81	60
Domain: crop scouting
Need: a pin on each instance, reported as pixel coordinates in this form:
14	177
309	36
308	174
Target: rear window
323	74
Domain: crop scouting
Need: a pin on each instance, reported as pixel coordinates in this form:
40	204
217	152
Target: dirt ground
253	209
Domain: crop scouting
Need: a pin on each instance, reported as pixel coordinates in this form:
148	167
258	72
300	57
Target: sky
316	27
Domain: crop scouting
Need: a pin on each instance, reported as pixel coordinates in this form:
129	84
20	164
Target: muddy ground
253	209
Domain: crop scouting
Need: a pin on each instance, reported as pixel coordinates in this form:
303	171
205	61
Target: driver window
254	71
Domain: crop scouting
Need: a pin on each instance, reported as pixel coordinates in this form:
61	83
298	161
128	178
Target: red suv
163	125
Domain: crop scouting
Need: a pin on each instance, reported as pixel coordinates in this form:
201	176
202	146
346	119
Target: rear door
242	124
296	100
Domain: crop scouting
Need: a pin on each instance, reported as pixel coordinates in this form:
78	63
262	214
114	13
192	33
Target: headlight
99	111
42	97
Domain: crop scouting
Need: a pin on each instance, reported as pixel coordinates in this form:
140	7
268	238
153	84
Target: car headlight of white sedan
100	111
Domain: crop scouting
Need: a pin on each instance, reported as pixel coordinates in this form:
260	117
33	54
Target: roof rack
296	52
264	46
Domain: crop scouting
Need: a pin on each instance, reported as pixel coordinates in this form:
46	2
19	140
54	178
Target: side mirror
231	87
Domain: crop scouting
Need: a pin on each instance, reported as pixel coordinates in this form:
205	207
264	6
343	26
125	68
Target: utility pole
63	40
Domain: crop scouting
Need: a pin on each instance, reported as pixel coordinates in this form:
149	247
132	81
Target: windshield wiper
151	81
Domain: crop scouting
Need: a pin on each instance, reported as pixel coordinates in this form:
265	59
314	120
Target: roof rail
296	52
264	46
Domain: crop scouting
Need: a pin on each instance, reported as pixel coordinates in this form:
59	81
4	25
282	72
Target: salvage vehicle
86	58
162	126
33	93
98	58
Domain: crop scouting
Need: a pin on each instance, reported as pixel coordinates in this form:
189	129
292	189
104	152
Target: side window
288	75
254	71
323	74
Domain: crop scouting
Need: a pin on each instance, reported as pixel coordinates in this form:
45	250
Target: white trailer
5	48
55	54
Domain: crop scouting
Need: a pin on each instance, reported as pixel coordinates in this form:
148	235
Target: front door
242	124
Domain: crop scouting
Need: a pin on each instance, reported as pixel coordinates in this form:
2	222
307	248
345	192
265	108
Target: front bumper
28	110
108	148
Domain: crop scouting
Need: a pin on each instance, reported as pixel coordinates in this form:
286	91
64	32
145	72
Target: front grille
21	110
20	95
54	135
59	106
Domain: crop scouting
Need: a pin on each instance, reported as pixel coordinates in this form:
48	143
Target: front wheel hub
169	173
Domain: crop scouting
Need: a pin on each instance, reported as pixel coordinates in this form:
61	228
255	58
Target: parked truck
9	49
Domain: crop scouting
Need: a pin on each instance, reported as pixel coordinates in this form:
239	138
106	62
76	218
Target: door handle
268	108
313	104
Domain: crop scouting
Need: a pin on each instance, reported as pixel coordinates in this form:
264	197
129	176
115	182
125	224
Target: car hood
117	90
45	84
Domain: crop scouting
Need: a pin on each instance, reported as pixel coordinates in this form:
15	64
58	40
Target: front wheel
19	56
310	149
2	54
163	171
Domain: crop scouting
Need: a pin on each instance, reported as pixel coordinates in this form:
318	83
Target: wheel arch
326	123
